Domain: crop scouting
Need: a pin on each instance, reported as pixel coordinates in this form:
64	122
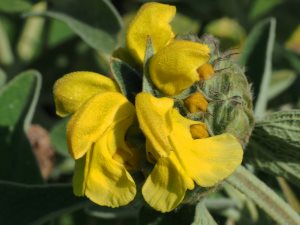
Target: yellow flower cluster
180	148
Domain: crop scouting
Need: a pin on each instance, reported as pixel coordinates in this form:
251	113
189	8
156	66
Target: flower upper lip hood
151	20
96	136
93	120
181	160
76	88
174	65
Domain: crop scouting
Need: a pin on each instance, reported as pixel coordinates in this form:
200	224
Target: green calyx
230	101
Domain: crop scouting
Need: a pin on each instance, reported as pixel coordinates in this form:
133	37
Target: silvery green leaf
148	86
257	58
202	216
274	146
18	100
263	196
128	79
97	22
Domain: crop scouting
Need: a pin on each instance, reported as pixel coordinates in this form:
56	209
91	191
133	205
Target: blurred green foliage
56	37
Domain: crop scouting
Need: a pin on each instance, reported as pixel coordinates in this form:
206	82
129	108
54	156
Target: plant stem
264	197
289	194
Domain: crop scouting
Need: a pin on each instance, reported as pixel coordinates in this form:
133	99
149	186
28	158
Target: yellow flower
76	88
96	137
152	20
174	67
180	159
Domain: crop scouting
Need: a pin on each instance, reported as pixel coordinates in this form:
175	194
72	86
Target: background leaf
96	21
280	81
6	56
59	32
182	216
13	6
263	196
35	204
257	57
261	7
202	216
293	58
275	145
59	137
2	77
18	100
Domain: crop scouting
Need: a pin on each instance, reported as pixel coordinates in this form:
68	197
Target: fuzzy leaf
36	204
96	22
147	83
129	81
274	146
18	100
257	58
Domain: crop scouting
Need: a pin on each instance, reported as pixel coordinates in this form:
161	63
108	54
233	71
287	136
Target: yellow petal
149	154
151	20
165	187
174	67
219	157
154	121
207	160
73	89
108	183
118	147
93	118
101	173
180	159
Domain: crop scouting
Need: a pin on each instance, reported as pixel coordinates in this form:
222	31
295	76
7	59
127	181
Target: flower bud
230	107
199	131
196	102
205	71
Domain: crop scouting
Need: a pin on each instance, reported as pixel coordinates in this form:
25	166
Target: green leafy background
40	41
